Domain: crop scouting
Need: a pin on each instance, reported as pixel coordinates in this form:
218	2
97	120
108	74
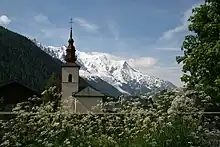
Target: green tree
52	81
51	88
201	59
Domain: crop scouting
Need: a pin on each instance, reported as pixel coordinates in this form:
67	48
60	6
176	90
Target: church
77	95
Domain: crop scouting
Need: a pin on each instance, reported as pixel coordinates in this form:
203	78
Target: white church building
78	96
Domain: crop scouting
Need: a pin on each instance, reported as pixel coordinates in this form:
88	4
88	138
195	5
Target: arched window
70	78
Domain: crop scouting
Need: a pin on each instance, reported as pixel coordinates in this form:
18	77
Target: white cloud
114	29
51	32
48	31
4	20
170	34
170	45
142	62
121	45
86	25
169	73
40	18
168	48
150	66
172	39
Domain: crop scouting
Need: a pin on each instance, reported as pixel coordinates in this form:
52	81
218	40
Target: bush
162	124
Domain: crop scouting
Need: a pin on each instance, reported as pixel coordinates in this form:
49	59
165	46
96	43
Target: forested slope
22	60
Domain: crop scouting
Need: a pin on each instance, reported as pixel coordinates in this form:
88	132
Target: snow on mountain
112	69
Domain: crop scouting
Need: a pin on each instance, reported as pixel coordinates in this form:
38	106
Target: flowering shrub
174	119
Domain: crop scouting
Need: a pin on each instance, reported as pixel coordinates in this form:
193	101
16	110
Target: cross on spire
71	22
71	32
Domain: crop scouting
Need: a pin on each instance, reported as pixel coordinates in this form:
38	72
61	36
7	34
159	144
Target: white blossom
173	115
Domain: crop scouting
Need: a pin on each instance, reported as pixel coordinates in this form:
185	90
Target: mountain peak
112	69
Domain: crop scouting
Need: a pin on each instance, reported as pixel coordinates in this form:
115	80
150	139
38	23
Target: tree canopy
201	59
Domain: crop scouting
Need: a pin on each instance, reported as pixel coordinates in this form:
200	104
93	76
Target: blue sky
149	32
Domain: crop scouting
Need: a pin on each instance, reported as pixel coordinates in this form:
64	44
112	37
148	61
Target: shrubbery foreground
174	119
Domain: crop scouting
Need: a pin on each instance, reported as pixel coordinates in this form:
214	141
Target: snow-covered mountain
111	69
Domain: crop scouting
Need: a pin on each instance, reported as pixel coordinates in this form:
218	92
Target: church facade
77	95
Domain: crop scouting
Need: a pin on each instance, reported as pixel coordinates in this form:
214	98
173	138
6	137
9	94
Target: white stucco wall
86	104
70	87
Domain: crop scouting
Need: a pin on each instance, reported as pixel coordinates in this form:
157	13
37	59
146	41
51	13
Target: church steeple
71	41
70	51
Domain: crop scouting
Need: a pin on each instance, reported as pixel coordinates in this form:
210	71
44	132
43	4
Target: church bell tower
70	70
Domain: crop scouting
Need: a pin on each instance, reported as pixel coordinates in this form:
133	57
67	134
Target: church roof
15	92
83	84
16	83
89	92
